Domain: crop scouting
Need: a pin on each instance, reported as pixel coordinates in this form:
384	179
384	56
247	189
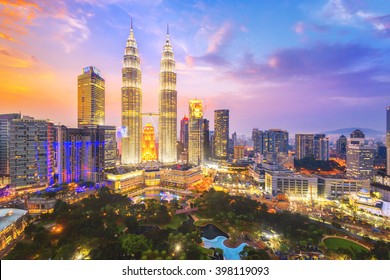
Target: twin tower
132	105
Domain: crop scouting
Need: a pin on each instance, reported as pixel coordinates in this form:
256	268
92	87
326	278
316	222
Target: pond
228	253
211	231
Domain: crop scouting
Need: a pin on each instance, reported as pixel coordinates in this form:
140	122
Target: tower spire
131	23
167	29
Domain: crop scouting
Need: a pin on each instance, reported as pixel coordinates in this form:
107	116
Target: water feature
228	253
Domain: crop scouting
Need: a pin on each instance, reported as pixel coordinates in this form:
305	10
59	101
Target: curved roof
9	215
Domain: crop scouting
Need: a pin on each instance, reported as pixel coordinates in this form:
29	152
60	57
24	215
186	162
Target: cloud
219	38
352	13
16	17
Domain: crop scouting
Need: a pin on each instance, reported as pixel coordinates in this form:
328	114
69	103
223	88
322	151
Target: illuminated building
167	128
360	157
239	152
181	176
195	132
131	103
363	200
341	146
90	96
148	144
321	147
273	140
340	186
206	139
84	153
125	181
184	132
304	145
4	142
12	224
291	184
388	140
27	151
221	134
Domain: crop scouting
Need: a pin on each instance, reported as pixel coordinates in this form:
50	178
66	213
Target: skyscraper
90	95
304	145
28	156
256	140
221	134
360	157
388	140
167	129
206	139
195	131
184	132
131	103
321	147
341	146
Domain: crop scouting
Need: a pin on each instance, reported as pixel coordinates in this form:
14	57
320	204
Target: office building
321	147
131	103
83	154
195	132
339	186
90	97
239	152
184	132
221	134
206	139
304	145
292	184
26	151
360	157
167	131
388	140
341	147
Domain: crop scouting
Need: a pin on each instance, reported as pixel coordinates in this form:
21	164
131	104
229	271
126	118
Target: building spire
131	23
167	29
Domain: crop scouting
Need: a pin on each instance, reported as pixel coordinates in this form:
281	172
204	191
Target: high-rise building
257	142
206	139
4	142
388	140
131	103
184	132
221	134
234	138
304	145
90	96
341	146
84	153
27	152
321	147
195	131
239	152
360	157
148	143
167	129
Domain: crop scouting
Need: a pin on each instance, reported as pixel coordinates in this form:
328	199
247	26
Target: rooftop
9	215
381	186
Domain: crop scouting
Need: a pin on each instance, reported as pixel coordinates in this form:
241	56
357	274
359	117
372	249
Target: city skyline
331	53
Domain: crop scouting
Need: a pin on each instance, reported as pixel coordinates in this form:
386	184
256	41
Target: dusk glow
304	67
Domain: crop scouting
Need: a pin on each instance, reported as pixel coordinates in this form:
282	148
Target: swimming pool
228	253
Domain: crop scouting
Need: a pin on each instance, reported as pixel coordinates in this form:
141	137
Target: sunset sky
303	66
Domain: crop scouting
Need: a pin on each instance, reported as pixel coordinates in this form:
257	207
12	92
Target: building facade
27	150
340	186
321	147
221	134
167	129
360	157
195	132
304	145
131	103
184	132
90	97
291	184
148	143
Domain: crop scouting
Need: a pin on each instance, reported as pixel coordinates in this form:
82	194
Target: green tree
134	245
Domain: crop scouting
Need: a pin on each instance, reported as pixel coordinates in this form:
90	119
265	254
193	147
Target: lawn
334	243
176	221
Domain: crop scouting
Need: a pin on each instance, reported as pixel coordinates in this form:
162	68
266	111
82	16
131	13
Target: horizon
322	66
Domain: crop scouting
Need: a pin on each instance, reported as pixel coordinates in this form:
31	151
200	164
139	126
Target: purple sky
303	66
